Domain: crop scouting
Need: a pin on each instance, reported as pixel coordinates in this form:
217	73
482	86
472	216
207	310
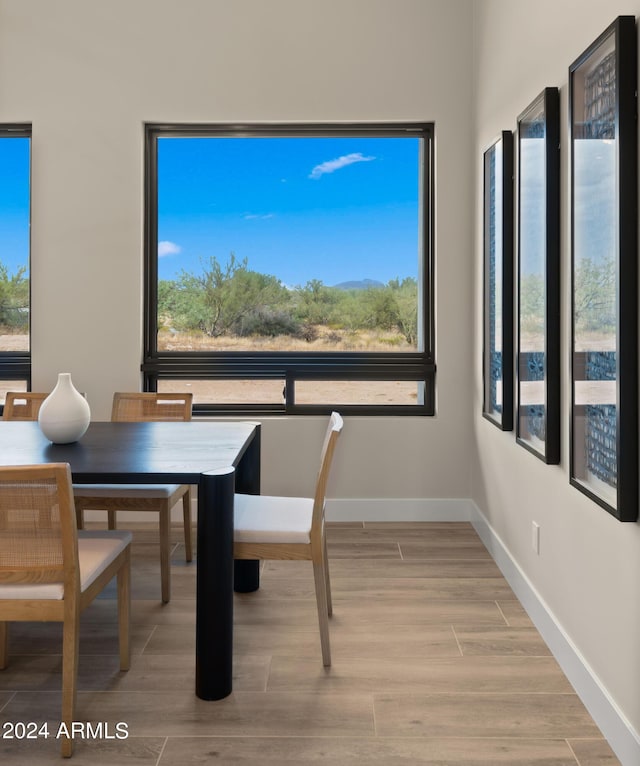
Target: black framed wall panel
498	282
538	277
604	242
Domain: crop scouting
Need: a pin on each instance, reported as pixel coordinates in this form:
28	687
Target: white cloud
330	166
168	248
259	216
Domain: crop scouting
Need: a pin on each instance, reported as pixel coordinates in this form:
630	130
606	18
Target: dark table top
159	452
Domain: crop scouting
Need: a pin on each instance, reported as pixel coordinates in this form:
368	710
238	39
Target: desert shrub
391	340
14	299
308	332
332	338
269	323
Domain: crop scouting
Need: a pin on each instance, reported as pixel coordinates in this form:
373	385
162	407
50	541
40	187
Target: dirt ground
307	392
14	342
261	391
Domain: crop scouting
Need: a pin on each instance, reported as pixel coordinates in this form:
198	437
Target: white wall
588	570
89	73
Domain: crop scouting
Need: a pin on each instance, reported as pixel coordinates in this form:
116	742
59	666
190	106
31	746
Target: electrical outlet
535	537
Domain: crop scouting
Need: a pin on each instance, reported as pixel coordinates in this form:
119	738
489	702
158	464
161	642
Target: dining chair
51	572
292	528
159	498
22	405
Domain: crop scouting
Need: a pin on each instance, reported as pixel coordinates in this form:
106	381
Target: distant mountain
359	284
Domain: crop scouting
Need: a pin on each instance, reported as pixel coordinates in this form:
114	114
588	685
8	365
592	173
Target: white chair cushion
269	519
96	550
125	490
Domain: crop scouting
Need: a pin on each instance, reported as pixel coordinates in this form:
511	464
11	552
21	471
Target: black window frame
290	366
16	365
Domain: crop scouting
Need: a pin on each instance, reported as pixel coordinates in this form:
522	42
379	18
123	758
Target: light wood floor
434	662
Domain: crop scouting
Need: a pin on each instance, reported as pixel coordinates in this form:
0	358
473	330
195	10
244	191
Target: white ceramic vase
64	415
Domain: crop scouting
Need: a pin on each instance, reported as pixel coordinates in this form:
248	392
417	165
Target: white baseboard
622	737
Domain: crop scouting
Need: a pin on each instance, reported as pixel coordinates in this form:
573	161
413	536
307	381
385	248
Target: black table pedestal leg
247	572
214	585
246	576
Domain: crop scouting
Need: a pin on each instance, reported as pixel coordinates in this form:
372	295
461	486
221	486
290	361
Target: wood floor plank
395	568
133	751
426	549
347	751
5	695
407	611
303	641
389	527
515	614
593	752
269	612
404	641
359	550
431	588
181	714
408	532
150	672
95	638
495	641
482	715
516	675
147	612
344	524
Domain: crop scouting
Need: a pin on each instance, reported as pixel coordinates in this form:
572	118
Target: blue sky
14	203
333	209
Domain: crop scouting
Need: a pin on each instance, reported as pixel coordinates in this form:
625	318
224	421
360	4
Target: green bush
14	299
231	299
267	323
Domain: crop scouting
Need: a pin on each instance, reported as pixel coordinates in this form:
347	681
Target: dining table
221	458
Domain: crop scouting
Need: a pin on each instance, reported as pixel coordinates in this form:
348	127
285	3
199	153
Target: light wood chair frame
68	609
139	502
22	405
316	549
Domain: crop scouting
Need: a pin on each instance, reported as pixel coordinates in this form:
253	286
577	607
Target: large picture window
15	217
289	268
